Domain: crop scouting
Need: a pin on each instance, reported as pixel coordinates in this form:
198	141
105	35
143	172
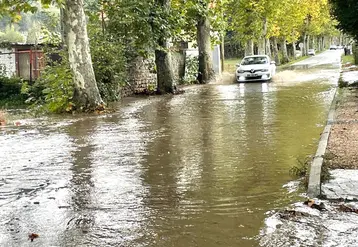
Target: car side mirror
237	65
273	62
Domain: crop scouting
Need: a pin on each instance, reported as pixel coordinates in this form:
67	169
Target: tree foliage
345	11
11	35
53	92
287	19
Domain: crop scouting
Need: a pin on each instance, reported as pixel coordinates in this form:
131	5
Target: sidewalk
342	149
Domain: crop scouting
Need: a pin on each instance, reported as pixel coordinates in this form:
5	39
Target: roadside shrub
110	68
9	87
53	91
109	60
10	92
301	170
191	70
325	174
342	83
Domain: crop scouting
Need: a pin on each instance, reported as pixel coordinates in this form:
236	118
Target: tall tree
144	28
345	11
163	61
206	72
200	21
87	95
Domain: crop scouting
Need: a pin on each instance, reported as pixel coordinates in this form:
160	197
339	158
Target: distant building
22	60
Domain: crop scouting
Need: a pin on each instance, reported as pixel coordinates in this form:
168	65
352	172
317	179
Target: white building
7	62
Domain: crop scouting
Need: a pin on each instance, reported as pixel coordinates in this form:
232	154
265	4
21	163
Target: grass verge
302	168
283	66
230	64
347	59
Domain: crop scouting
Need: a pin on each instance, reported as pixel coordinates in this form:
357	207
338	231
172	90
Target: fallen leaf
32	236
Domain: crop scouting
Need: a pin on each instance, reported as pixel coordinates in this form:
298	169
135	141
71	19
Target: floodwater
197	169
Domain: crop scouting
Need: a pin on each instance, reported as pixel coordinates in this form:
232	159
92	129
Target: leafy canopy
345	11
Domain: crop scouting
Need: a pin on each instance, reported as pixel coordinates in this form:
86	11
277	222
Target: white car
333	47
255	68
311	52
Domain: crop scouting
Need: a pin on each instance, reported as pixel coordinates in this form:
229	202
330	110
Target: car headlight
264	70
240	71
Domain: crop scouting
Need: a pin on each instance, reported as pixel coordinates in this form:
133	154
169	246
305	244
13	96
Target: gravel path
343	141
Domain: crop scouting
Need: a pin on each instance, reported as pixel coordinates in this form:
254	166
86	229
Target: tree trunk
249	49
62	26
308	40
261	47
165	75
206	71
87	96
222	51
285	58
268	47
294	50
304	47
163	61
341	38
275	51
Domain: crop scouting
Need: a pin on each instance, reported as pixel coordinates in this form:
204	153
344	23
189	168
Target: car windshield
254	60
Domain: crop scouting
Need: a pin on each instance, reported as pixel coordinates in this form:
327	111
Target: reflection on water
198	169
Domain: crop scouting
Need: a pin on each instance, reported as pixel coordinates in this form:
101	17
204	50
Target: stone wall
142	77
178	64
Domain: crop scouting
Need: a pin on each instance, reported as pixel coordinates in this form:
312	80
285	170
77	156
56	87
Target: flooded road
197	169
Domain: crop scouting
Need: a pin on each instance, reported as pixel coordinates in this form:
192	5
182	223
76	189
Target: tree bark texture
304	48
275	51
319	47
249	48
222	51
294	49
206	71
308	44
165	75
262	41
261	47
285	58
87	96
268	47
163	61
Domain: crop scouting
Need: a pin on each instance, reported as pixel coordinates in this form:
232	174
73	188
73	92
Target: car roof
257	56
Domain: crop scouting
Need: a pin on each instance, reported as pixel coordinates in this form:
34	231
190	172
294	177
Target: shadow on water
81	184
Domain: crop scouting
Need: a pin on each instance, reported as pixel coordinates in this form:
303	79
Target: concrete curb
314	182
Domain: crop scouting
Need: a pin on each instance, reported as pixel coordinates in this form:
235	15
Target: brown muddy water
198	169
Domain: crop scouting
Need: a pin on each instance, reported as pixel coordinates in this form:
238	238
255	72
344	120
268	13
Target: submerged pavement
197	169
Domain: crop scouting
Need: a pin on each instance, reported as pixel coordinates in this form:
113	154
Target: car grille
253	71
253	78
